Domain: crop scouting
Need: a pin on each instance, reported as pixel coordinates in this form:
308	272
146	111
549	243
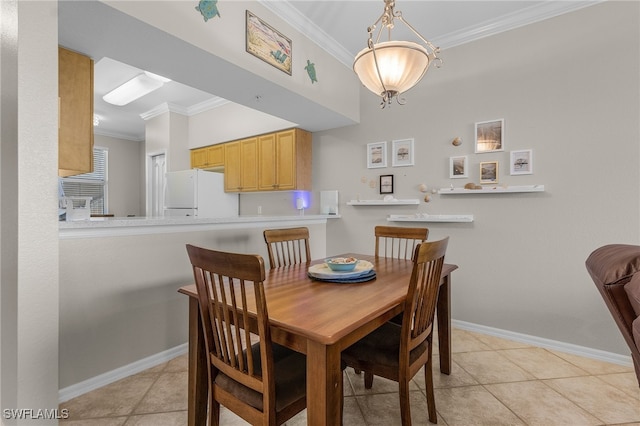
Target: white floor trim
94	383
546	343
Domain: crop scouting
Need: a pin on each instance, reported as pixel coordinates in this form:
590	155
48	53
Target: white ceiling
338	26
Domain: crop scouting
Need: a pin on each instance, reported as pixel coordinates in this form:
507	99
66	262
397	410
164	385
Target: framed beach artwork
265	42
488	172
376	155
402	153
458	167
521	162
490	136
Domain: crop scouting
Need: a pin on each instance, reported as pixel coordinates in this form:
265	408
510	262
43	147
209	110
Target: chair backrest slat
398	242
422	295
287	246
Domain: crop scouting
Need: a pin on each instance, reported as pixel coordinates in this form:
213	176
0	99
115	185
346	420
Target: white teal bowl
342	264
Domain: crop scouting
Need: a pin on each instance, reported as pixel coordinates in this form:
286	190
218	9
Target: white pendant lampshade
400	66
390	68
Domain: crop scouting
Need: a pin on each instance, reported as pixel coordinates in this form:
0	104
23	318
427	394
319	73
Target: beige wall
570	95
123	175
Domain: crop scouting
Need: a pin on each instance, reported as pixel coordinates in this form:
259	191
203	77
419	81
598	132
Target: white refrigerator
198	193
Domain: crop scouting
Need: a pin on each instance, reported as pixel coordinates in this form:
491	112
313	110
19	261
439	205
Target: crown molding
128	137
165	107
548	9
530	15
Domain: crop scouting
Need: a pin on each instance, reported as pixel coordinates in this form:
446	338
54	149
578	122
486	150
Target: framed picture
402	153
489	172
386	184
458	167
265	42
376	155
521	162
490	136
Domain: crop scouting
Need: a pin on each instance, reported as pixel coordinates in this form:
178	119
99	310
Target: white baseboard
94	383
162	357
546	343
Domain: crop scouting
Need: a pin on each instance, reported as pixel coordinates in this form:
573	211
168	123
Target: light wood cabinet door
267	163
75	131
286	160
208	157
241	165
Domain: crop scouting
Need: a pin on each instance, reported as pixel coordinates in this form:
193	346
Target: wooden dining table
320	319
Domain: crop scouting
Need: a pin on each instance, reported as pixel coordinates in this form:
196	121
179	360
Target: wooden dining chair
397	352
264	383
398	242
287	246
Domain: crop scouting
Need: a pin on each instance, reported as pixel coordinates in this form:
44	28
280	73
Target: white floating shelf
492	190
383	203
430	218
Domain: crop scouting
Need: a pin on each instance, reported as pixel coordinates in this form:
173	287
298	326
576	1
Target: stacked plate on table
363	271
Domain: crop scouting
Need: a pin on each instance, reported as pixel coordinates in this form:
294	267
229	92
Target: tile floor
493	382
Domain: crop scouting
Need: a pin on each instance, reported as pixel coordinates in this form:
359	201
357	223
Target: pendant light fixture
390	68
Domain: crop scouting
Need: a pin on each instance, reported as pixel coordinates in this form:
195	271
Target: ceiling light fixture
137	87
391	68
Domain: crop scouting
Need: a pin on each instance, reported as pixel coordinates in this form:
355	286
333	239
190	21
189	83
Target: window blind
92	184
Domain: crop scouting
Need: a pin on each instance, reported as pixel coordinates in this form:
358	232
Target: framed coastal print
458	167
490	136
402	153
265	42
521	162
376	155
386	184
489	172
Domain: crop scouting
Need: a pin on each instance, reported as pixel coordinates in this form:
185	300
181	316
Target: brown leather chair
288	246
264	383
615	269
397	352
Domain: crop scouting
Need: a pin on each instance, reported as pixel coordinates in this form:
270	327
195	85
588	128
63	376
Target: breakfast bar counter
120	311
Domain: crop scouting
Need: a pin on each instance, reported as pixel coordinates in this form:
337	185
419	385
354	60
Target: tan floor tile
626	382
384	409
537	404
465	341
458	377
473	405
542	363
176	418
494	342
380	384
107	421
602	400
490	367
116	399
593	366
168	393
179	363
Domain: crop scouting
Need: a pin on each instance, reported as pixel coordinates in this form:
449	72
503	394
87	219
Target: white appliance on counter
198	193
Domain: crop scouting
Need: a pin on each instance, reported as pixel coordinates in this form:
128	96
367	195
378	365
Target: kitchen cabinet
209	157
75	120
284	161
241	165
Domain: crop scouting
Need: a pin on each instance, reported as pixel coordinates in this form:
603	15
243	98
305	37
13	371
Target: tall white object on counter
198	193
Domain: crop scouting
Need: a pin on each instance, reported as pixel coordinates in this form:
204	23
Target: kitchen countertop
112	226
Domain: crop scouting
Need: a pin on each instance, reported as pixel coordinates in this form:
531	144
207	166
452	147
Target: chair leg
428	380
405	408
368	380
214	410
